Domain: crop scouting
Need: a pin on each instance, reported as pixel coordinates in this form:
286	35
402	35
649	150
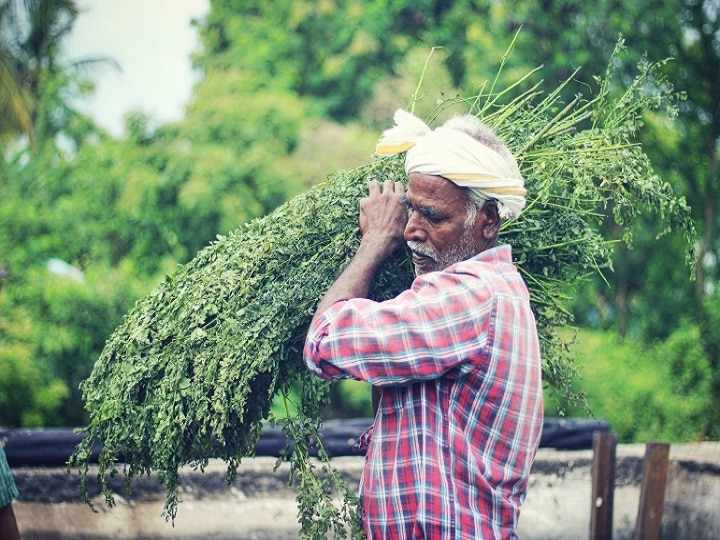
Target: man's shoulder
498	257
500	254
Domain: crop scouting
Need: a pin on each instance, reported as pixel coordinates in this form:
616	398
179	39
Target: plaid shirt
458	425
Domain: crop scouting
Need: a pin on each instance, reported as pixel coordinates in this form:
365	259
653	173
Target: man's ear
492	220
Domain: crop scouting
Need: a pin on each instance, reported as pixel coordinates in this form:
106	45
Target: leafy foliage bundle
193	369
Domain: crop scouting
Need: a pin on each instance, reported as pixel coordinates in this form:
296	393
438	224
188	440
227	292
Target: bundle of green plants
192	371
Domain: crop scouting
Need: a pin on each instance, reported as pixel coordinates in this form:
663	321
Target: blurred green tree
36	84
276	77
118	215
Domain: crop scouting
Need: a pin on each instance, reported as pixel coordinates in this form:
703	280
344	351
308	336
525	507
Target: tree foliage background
292	91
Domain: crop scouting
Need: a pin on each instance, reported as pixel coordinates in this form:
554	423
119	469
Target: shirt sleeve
8	489
440	326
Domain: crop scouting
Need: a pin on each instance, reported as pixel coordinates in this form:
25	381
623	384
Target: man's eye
431	215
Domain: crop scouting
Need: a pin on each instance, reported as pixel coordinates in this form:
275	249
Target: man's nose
413	230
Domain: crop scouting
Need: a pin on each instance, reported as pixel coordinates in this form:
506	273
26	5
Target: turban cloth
457	156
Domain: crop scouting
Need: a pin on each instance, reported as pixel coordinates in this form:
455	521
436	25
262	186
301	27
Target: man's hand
383	216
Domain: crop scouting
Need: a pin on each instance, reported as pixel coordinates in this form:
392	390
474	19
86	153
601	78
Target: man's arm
382	223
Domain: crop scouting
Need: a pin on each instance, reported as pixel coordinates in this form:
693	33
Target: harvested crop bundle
193	369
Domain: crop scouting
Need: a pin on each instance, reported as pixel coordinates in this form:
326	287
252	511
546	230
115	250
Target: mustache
420	249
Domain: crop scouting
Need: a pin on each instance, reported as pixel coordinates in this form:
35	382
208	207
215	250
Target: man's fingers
393	187
374	188
388	187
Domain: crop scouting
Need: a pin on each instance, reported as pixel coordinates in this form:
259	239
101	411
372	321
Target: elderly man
456	356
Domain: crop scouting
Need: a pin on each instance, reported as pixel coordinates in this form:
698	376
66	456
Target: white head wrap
457	156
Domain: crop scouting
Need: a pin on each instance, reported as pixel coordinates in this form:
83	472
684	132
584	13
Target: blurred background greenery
293	90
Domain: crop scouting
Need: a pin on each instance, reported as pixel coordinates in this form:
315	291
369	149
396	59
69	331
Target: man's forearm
382	221
355	280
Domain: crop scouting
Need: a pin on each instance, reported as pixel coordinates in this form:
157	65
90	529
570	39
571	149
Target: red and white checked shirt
458	426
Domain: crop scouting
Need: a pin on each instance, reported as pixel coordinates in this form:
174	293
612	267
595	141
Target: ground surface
260	505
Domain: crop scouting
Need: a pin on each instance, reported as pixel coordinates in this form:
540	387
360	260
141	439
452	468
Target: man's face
438	232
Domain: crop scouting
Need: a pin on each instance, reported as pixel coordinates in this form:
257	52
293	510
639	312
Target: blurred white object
63	269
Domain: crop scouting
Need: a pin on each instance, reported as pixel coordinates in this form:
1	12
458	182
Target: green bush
29	395
644	393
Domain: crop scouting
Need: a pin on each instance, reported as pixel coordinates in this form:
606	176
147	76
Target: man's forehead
427	190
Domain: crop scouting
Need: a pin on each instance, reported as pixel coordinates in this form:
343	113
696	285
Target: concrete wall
259	504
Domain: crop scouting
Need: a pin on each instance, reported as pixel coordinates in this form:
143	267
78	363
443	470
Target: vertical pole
603	485
652	493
